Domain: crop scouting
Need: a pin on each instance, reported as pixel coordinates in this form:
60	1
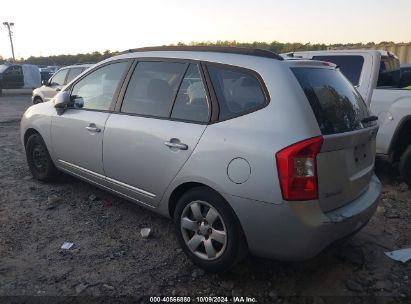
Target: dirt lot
110	258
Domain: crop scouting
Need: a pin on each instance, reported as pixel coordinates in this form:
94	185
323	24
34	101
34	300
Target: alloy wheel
203	230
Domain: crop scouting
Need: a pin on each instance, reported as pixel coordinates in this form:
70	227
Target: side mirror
61	100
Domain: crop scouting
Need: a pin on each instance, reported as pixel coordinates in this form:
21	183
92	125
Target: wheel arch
38	97
179	191
28	133
401	138
186	186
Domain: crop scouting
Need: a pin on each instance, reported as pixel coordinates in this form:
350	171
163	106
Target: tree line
275	46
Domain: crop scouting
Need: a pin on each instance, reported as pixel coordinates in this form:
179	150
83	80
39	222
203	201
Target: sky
44	27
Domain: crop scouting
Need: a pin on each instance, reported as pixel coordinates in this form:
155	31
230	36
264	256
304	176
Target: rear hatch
346	161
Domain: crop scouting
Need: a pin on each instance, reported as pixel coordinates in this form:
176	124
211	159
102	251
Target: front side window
96	90
152	88
15	70
191	102
237	92
350	66
73	73
58	78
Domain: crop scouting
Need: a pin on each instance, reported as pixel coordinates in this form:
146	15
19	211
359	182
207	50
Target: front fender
38	118
393	108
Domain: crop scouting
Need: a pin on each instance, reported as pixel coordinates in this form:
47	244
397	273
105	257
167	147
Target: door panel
77	139
142	155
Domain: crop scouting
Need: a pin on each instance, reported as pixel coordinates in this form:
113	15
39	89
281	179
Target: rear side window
350	66
237	92
152	88
73	73
337	106
191	102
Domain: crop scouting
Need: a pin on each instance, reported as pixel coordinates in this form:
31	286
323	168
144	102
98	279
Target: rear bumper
301	230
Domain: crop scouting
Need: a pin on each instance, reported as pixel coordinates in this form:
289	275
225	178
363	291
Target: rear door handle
176	145
93	128
58	90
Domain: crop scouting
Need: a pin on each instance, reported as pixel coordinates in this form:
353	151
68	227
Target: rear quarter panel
256	137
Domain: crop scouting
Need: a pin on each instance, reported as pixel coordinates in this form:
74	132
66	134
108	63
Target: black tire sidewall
50	172
37	100
405	166
235	241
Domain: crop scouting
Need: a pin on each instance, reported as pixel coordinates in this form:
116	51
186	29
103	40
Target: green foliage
63	60
274	46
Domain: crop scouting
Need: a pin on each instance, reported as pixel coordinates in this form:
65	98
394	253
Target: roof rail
81	63
218	49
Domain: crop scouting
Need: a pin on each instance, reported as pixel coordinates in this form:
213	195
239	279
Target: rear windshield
337	106
389	74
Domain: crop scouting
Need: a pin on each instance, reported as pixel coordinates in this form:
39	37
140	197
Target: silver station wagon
245	151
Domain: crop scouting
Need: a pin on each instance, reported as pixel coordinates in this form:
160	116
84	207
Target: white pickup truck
377	77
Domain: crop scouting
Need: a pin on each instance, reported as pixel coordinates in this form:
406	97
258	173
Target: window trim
253	73
205	91
111	109
123	90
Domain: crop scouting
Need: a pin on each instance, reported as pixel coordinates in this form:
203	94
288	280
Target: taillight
297	170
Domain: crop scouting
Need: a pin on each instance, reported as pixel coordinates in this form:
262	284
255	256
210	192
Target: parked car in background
53	68
246	151
385	88
405	68
53	85
19	76
45	74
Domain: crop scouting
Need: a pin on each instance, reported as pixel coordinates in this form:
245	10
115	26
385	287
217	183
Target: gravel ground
110	258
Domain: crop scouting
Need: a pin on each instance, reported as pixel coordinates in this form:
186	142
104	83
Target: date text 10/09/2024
238	299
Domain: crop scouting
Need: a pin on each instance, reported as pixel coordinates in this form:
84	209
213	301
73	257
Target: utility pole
9	25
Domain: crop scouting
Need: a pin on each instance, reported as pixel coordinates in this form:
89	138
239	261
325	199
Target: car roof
216	49
250	58
82	65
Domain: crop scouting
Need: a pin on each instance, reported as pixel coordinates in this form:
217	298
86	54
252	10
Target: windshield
3	67
337	106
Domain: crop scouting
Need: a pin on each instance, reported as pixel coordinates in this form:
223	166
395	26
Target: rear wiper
369	119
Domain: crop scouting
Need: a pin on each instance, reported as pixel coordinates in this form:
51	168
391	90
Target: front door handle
93	128
58	90
176	144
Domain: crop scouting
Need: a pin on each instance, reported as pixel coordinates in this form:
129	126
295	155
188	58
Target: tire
205	220
37	100
405	166
38	158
